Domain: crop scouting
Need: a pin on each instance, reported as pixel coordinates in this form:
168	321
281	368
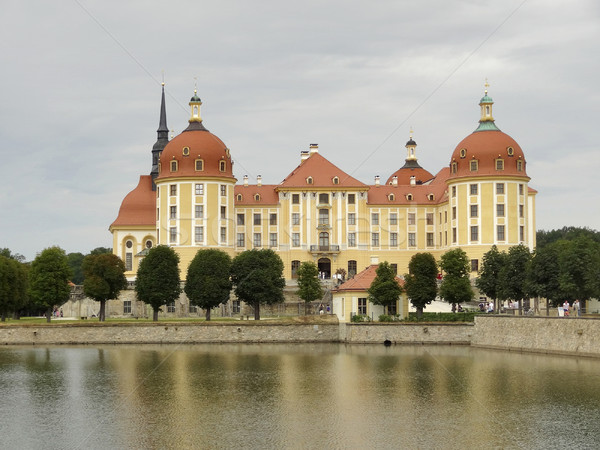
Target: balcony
330	249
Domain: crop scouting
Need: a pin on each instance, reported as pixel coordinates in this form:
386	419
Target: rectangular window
173	212
454	235
474	265
394	267
351	218
351	199
171	307
273	219
429	218
453	191
473	165
241	219
241	239
521	189
375	218
235	306
375	239
223	212
295	199
129	261
520	166
199	234
199	189
473	189
412	240
522	233
499	188
272	239
351	239
393	239
173	189
411	218
295	239
473	210
295	218
454	213
521	211
257	219
362	306
323	199
430	242
500	232
257	239
499	164
351	268
223	235
199	211
323	216
193	309
393	218
500	209
223	190
474	233
445	216
173	234
126	306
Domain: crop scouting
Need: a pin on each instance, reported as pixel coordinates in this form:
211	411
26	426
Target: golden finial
487	85
195	85
172	132
163	78
411	132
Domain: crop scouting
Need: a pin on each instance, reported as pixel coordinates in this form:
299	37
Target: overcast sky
81	94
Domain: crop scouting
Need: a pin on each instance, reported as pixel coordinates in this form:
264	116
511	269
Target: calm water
295	396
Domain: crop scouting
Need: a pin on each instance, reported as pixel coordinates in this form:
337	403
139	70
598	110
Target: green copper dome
486	99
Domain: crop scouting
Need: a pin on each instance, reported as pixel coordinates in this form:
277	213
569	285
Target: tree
309	287
13	286
421	281
258	278
385	289
16	256
104	279
208	281
75	262
579	262
49	279
513	276
157	280
456	285
543	274
100	250
488	281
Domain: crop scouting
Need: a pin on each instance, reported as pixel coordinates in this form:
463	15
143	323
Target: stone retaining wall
407	333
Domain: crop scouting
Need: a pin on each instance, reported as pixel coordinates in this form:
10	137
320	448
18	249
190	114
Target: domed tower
195	191
411	172
489	198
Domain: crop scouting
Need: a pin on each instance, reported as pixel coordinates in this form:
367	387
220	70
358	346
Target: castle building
191	200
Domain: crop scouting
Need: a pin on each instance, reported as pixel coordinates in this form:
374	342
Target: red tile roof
139	206
267	193
322	172
362	280
380	195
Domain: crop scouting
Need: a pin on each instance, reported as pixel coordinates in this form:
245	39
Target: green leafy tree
13	286
544	238
49	279
543	274
16	256
157	281
208	282
104	279
309	287
385	289
579	261
100	250
456	286
513	276
488	281
421	281
258	278
75	263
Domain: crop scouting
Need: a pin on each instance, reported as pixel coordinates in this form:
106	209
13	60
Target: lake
295	396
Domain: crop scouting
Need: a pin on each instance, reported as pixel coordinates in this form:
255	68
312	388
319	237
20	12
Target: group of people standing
576	308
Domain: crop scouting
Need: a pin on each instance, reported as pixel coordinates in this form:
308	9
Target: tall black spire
163	138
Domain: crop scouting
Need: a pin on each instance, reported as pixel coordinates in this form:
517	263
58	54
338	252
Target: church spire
411	154
486	123
162	138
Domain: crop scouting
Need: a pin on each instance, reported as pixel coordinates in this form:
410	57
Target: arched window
257	197
239	197
409	197
309	180
336	180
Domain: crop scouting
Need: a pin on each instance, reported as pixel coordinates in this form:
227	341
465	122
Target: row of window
474	189
198	165
323	199
256	219
500	233
474	165
198	189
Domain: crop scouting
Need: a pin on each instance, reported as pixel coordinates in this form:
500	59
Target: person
321	312
577	308
490	307
460	309
453	307
566	308
328	309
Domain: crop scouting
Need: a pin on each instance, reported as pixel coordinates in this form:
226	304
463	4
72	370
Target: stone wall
579	336
407	333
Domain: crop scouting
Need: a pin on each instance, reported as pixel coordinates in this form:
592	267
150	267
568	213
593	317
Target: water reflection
315	396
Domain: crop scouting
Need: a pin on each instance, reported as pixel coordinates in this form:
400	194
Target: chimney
374	259
259	180
304	156
314	148
395	181
245	180
413	180
377	180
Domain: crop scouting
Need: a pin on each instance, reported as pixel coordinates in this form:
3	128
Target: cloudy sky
81	91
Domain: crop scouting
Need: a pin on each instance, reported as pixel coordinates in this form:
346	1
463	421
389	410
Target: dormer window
199	165
159	167
499	164
454	167
336	180
173	166
520	165
257	197
309	180
409	197
391	197
474	165
239	197
463	152
510	151
222	166
186	151
431	197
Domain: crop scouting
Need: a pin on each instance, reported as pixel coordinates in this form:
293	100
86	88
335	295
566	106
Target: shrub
443	317
360	318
